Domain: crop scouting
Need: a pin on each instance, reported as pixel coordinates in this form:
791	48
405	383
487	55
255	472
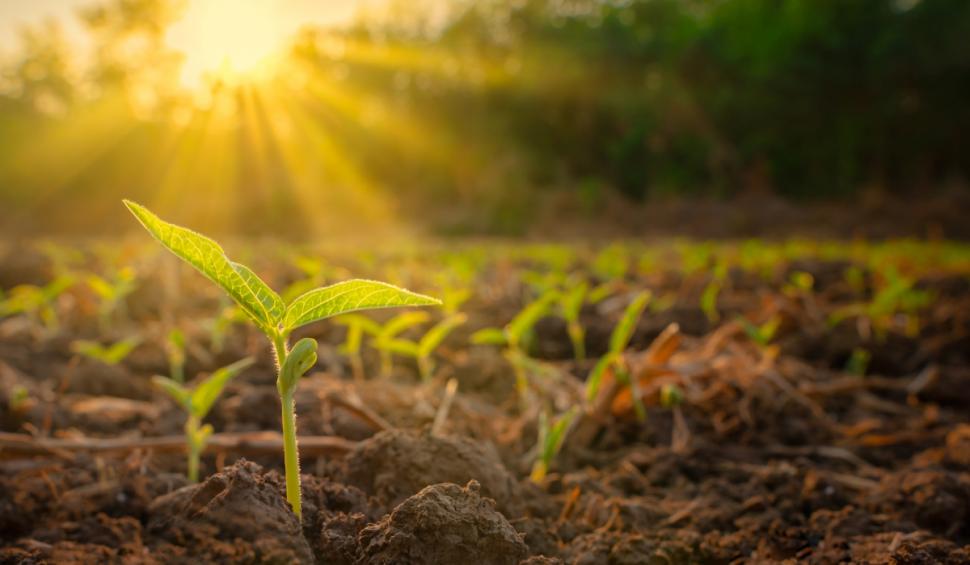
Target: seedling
357	326
671	396
37	302
110	355
112	292
551	437
514	335
389	332
219	324
614	358
762	334
175	349
276	318
423	349
709	300
197	401
858	363
570	305
18	398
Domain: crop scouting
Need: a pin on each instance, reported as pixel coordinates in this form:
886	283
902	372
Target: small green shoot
110	355
357	325
858	362
196	402
762	334
423	349
570	305
276	318
551	437
709	300
514	336
389	332
37	302
112	292
175	350
614	359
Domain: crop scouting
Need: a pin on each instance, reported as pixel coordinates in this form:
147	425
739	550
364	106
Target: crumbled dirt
444	523
240	514
394	465
777	454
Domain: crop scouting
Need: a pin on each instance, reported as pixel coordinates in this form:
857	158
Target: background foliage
485	106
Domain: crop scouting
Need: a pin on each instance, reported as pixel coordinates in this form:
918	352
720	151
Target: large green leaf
208	257
267	297
349	296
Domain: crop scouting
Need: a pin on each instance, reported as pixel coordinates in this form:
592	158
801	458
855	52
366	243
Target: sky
288	15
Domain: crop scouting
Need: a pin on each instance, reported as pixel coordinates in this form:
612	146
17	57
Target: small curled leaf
298	361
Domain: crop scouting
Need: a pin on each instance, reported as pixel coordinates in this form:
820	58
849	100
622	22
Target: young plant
423	349
197	401
112	292
357	326
858	362
110	355
762	334
570	305
614	358
389	332
276	318
37	302
175	350
551	437
515	334
709	300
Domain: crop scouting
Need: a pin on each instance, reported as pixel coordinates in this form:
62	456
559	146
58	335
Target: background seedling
387	333
514	335
552	434
37	302
175	349
110	355
614	359
570	305
762	334
357	326
423	349
196	402
858	362
112	291
276	318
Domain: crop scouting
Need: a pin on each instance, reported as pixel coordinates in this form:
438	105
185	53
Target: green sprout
570	305
709	300
357	326
37	302
858	362
275	318
614	358
389	332
671	396
109	355
552	434
112	292
18	398
515	335
423	349
762	334
175	350
197	401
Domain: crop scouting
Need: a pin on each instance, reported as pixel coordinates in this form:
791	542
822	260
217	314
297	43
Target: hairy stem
290	456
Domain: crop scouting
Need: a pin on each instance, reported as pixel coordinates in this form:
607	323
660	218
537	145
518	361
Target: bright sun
230	39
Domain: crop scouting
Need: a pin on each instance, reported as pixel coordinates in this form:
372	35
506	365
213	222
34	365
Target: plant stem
290	456
191	431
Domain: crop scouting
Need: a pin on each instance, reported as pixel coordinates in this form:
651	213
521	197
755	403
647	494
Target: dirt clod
443	523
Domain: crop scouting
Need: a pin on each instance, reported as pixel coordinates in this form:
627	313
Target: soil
777	454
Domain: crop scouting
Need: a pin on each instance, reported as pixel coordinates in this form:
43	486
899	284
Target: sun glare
227	39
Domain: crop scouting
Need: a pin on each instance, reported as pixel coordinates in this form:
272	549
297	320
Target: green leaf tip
255	297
